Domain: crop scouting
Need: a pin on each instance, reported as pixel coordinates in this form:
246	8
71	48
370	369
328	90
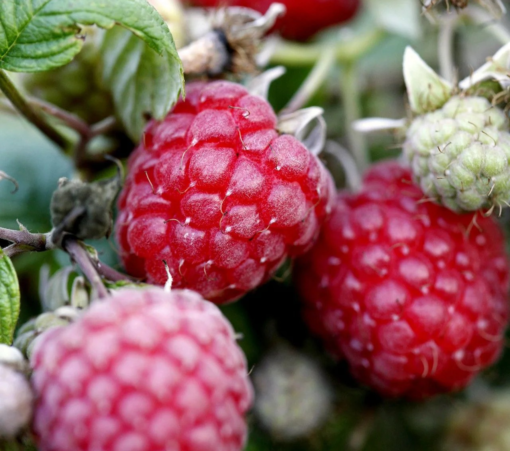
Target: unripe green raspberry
28	334
293	396
480	426
460	154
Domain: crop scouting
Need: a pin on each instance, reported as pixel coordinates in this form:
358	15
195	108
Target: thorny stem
445	46
30	113
111	274
314	80
293	54
82	258
350	93
24	241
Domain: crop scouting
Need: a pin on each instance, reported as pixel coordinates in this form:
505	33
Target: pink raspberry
144	370
413	295
216	192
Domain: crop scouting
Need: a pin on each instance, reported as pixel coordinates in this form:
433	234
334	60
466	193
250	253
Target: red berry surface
303	18
413	295
218	194
144	370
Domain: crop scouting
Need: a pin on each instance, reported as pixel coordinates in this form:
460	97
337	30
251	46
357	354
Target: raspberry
460	153
15	402
215	192
413	295
145	370
293	395
302	19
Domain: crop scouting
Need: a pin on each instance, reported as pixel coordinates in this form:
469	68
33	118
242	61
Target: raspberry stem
24	241
344	157
34	116
313	81
81	257
350	92
445	46
294	54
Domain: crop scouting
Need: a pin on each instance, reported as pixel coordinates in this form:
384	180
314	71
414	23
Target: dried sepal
300	123
260	84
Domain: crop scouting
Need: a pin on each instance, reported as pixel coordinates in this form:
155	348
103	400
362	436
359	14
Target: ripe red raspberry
218	194
303	19
144	370
413	295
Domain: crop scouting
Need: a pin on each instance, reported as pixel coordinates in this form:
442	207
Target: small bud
293	395
79	294
84	209
16	401
11	357
54	290
29	332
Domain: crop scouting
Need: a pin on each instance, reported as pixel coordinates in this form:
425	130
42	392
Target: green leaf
142	82
38	35
9	299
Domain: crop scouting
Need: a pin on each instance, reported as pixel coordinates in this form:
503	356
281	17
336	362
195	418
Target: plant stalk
81	257
31	114
350	94
313	82
293	54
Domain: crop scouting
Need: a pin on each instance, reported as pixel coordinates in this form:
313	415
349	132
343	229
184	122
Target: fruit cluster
404	278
